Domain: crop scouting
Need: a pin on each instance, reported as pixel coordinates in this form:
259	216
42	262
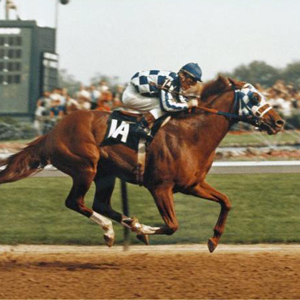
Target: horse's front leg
204	190
163	197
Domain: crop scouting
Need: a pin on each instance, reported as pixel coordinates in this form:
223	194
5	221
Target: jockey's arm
169	104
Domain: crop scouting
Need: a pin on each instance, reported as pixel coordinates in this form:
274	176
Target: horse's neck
224	103
210	129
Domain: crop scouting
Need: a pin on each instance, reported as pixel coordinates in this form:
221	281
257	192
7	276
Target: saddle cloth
122	129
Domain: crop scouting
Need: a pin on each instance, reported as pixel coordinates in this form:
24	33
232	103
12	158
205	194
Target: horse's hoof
109	240
212	245
143	238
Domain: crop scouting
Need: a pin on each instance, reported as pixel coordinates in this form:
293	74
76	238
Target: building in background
28	66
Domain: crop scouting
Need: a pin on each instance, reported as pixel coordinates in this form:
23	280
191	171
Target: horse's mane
214	87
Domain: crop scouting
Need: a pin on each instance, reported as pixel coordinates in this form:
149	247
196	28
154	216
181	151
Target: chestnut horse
177	160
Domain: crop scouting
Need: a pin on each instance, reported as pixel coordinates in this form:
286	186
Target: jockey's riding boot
144	123
143	131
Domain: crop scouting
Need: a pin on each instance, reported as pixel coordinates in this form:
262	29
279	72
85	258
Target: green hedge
11	129
293	121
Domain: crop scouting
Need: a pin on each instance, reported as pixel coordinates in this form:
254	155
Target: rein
255	120
223	113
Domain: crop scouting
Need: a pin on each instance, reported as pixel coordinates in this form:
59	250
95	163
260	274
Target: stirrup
144	135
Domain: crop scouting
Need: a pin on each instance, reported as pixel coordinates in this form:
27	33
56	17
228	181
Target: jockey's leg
136	103
204	190
148	106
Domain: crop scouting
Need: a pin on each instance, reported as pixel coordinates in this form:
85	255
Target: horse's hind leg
204	190
82	167
75	201
105	184
102	200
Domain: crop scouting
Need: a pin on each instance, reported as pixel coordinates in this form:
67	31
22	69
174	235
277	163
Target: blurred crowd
284	98
54	105
58	103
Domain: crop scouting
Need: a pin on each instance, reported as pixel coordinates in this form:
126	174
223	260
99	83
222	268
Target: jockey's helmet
193	70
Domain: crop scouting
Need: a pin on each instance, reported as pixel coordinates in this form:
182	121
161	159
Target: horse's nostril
279	123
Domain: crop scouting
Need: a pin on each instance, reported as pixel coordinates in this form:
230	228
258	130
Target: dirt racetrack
153	272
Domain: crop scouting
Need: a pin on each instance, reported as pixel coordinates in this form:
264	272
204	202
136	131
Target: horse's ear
232	81
223	79
236	83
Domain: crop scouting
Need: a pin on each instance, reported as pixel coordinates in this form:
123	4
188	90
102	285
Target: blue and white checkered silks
248	107
142	81
146	83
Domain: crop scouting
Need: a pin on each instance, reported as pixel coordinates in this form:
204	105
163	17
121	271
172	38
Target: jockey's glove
192	103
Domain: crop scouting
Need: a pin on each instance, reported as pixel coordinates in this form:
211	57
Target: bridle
243	110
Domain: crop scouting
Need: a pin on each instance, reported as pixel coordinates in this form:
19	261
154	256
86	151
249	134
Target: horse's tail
28	161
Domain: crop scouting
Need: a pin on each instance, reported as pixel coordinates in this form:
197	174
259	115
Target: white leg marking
105	223
136	226
148	229
144	229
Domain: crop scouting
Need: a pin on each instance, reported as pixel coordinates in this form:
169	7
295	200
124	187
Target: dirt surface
155	272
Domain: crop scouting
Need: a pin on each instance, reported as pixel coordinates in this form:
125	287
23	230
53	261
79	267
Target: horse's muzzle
272	127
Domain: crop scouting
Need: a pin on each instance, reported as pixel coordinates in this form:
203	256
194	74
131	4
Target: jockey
156	93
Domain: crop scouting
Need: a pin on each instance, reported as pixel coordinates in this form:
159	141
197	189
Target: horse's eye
255	99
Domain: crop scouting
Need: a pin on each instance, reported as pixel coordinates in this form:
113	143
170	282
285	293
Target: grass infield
265	210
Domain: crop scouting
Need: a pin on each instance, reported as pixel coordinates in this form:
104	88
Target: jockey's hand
192	103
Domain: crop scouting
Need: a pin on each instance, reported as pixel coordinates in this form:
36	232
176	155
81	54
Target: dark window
11	53
1	66
17	66
10	66
18	53
1	53
9	79
11	40
13	66
18	41
2	41
17	78
14	53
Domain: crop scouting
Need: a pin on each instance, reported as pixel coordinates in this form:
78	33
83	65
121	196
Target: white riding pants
136	103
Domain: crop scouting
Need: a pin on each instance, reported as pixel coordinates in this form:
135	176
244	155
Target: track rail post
125	207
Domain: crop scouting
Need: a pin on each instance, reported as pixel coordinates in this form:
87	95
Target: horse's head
254	109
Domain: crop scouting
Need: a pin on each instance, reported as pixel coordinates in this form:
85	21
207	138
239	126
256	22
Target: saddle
131	130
